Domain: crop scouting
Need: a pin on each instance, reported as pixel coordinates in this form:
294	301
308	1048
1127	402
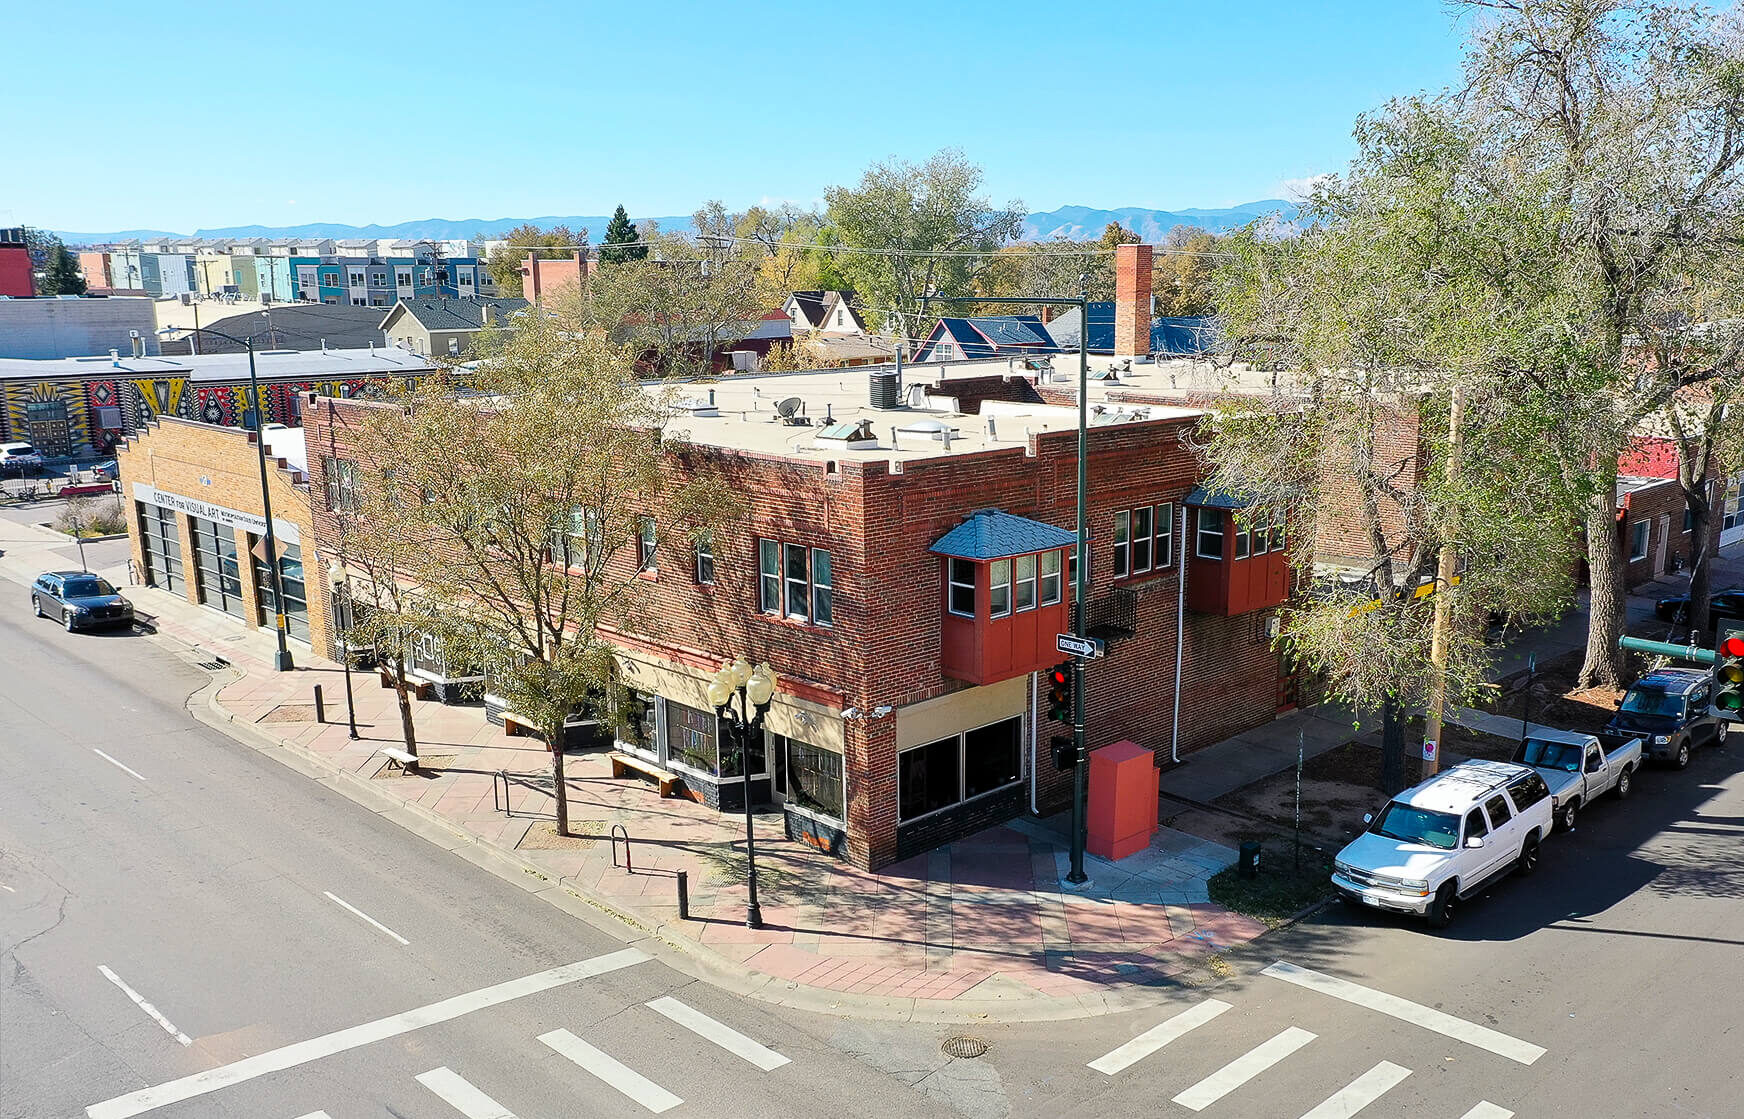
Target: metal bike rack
619	831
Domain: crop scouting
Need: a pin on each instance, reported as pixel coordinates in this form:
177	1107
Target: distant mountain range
1073	222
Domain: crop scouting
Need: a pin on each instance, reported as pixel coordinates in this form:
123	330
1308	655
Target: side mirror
1474	842
1368	817
1617	703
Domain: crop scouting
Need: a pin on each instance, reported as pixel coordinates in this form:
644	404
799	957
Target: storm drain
963	1046
210	666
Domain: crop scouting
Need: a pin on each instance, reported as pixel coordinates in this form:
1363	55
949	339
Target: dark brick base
955	823
831	839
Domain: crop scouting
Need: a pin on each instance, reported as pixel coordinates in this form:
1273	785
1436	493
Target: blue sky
184	113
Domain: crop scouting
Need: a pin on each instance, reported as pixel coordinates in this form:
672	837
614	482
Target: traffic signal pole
1081	597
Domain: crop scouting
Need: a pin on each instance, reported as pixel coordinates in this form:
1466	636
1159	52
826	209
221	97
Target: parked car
79	599
19	458
1668	710
106	471
1443	840
1579	768
1721	604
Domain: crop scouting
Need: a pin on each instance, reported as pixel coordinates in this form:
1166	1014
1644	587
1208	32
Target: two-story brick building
905	564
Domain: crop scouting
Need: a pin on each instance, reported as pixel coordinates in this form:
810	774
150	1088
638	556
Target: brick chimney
1132	300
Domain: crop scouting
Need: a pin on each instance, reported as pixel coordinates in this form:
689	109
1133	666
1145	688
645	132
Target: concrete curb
671	941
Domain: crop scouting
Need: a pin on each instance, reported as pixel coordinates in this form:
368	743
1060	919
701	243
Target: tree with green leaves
531	504
56	269
623	242
504	263
919	229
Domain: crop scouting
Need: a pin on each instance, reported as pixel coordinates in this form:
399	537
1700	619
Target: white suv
19	458
1445	839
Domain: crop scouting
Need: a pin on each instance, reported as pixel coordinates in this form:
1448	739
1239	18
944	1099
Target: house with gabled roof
446	326
985	336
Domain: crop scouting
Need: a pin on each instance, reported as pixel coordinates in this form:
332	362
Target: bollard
684	895
320	707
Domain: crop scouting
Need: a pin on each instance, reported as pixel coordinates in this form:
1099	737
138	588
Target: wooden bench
420	689
398	758
623	764
514	725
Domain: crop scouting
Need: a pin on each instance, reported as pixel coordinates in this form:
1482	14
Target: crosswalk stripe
1158	1036
1243	1069
721	1034
315	1115
1361	1092
459	1093
1488	1110
625	1079
1406	1011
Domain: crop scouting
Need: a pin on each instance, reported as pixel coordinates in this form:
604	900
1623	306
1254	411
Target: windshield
1653	701
1417	825
1552	755
21	449
88	586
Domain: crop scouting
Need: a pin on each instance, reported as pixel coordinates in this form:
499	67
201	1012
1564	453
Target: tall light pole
754	688
1081	587
283	661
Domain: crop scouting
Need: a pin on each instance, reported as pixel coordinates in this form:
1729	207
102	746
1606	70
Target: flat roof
744	413
313	364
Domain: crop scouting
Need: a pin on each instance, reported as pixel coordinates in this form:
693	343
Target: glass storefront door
161	538
296	596
216	573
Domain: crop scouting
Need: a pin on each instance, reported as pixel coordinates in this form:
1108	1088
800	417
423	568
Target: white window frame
1050	598
998	585
647	546
1148	536
1641	531
1020	581
403	277
1278	536
952	583
767	602
792	587
705	560
1163	536
1200	534
1122	543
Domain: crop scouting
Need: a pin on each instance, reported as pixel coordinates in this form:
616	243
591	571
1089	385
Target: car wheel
1565	816
36	606
1441	909
1682	760
67	620
1528	865
1625	784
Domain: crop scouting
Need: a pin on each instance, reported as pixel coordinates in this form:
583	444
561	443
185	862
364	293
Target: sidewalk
981	928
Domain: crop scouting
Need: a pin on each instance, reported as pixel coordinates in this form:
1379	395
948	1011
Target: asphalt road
209	881
253	909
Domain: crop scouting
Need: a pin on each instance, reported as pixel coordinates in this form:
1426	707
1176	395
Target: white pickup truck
1578	768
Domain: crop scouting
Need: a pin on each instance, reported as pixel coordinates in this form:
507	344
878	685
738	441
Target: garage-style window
942	774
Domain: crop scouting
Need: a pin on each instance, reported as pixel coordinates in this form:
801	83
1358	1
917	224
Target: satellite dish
789	407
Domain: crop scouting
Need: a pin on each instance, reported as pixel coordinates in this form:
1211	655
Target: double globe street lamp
754	689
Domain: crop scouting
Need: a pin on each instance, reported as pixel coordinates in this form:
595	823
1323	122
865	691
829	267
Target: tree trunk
1606	572
1392	747
1701	565
554	739
404	695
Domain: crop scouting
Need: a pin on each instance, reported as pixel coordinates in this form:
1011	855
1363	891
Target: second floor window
341	482
961	593
795	582
999	588
646	557
705	560
1209	541
1050	577
1143	539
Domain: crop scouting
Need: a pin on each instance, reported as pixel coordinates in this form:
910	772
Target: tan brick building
195	519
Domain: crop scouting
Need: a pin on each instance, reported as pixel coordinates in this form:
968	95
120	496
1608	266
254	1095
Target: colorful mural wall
98	413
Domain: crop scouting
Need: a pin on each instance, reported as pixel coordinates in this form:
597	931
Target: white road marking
315	1115
8	889
625	1079
462	1096
1243	1069
1406	1011
1488	1110
112	761
1361	1092
331	896
722	1035
169	1027
1158	1036
302	1052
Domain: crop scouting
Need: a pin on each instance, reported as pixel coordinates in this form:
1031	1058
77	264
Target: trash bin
1250	859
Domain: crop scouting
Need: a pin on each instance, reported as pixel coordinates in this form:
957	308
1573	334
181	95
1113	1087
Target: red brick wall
1132	300
1666	542
15	271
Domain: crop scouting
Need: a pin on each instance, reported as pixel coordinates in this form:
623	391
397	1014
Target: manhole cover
963	1046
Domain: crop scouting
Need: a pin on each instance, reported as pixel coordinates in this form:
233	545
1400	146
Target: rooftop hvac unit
886	390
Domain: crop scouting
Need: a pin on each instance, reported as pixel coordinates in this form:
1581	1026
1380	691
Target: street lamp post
754	688
283	661
1081	587
340	579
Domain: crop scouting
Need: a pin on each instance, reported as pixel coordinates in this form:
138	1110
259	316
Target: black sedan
1723	604
79	599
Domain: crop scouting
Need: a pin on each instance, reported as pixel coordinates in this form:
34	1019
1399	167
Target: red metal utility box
1123	800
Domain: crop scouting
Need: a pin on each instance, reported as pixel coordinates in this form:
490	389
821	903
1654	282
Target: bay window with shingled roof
1003	596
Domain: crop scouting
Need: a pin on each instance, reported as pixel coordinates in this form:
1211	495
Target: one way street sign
1086	648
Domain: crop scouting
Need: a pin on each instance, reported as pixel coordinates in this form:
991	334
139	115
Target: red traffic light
1732	647
1061	674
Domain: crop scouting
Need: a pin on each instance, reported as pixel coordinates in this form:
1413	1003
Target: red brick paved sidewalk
984	920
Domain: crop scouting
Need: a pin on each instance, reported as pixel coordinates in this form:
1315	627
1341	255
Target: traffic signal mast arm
1666	649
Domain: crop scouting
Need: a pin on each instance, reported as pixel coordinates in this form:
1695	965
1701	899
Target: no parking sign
1428	749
